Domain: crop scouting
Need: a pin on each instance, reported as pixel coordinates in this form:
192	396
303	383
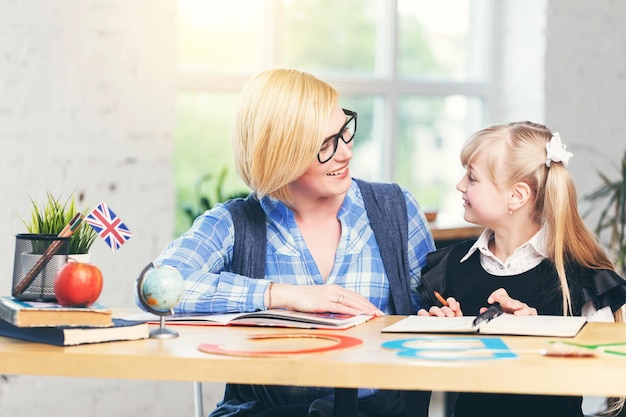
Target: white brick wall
86	105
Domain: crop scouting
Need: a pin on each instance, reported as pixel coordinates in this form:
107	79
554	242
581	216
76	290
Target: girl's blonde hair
279	129
516	152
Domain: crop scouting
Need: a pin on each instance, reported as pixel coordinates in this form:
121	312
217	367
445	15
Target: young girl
535	256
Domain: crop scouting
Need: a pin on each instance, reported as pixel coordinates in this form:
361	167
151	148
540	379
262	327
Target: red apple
78	284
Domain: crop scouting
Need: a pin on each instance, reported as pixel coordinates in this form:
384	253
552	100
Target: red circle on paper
341	342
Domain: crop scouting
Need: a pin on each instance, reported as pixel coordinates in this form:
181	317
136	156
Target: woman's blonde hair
279	129
516	152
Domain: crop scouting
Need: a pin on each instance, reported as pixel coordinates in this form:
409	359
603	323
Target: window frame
387	84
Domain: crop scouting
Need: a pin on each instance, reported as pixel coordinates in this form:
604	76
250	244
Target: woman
293	145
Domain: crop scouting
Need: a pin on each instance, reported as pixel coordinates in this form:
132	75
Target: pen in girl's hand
441	299
491	313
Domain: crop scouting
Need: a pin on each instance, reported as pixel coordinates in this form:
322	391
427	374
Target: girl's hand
509	305
321	298
453	309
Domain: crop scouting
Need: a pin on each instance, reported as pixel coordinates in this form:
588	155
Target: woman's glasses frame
322	155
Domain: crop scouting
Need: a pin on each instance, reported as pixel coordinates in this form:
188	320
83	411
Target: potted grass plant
610	199
40	253
53	216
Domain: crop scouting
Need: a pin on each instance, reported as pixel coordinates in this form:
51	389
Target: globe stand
161	275
162	332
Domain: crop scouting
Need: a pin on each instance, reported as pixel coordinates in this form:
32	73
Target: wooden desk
454	233
367	365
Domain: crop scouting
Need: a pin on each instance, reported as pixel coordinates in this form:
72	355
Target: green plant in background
53	216
611	197
205	201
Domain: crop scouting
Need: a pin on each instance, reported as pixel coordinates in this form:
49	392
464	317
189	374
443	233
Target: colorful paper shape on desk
341	342
451	348
108	226
616	348
569	350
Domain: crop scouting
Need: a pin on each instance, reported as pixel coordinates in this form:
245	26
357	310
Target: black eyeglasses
346	134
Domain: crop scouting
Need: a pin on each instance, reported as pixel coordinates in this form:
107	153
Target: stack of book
53	324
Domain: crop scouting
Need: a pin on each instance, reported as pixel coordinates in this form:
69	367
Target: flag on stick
108	226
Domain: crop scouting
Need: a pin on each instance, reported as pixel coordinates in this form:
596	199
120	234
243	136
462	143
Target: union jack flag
108	226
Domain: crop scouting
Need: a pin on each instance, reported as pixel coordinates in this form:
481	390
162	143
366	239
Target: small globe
161	288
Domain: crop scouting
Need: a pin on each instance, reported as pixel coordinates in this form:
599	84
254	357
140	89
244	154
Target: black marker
491	313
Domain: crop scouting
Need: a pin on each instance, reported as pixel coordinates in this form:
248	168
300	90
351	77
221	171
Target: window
416	71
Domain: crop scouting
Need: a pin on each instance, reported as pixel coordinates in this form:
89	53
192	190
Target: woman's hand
509	305
453	309
321	298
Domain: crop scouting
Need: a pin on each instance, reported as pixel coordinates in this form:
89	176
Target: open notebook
505	324
269	318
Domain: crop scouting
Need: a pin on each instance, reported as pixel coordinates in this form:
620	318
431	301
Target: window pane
350	42
431	132
202	150
216	36
442	40
366	160
329	36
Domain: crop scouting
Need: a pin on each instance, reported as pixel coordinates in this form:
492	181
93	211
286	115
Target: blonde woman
535	256
320	246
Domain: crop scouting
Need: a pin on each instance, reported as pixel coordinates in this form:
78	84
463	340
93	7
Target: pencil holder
37	260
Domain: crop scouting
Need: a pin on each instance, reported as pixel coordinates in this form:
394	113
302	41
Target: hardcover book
269	318
68	336
40	314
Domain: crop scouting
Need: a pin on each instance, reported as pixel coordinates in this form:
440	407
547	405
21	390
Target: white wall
585	85
86	105
563	63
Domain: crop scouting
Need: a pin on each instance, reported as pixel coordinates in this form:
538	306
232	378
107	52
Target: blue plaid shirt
203	255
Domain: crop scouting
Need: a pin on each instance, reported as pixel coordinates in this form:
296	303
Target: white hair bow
556	151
